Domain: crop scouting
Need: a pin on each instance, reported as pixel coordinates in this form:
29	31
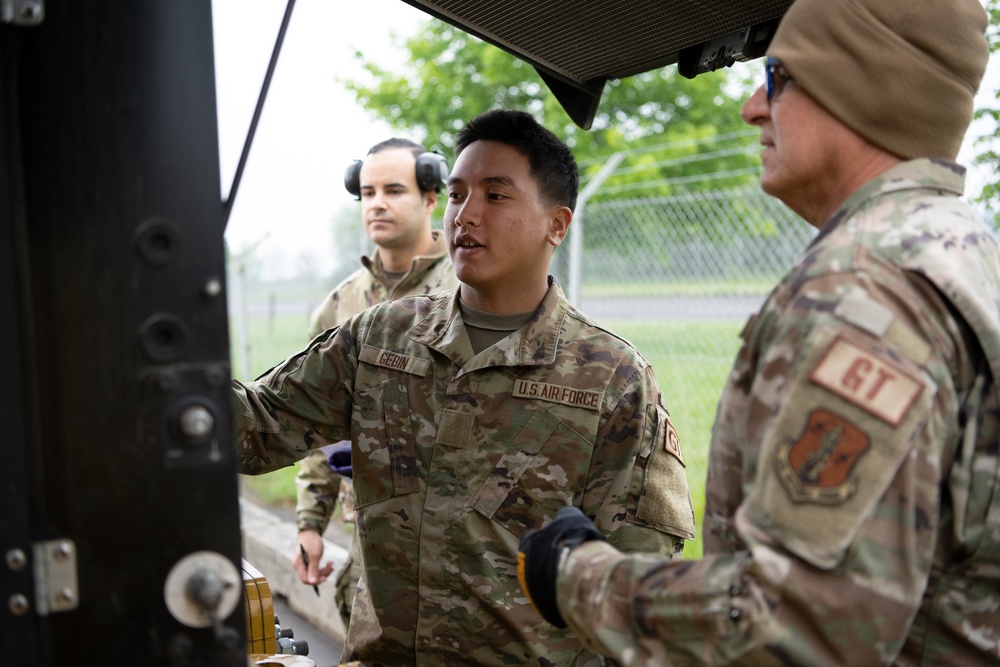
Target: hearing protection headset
432	174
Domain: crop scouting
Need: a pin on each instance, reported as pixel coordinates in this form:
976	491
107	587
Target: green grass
276	489
691	361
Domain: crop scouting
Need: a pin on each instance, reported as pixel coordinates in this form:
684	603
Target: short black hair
552	163
398	142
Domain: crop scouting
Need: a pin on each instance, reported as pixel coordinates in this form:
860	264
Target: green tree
989	143
666	123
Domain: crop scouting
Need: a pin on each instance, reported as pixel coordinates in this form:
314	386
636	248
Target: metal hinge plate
55	577
22	12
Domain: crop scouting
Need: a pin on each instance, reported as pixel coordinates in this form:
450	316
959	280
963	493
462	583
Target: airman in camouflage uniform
429	274
853	508
474	416
410	258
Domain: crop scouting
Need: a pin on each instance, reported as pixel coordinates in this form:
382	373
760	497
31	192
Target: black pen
305	561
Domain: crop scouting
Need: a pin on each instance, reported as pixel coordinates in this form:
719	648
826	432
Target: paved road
672	307
611	308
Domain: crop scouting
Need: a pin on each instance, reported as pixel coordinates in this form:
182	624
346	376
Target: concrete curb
268	544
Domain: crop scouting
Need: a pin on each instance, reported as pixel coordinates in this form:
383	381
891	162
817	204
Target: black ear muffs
432	174
352	178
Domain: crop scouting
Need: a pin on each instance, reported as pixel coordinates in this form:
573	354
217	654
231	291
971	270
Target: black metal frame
113	303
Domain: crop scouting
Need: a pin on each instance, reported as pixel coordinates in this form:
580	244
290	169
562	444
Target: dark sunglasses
775	76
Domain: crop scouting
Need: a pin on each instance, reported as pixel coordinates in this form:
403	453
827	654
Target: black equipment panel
118	433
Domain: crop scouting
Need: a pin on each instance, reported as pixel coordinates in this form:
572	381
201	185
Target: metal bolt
205	589
215	376
30	11
65	596
16	560
62	551
196	421
228	638
166	381
18	604
212	287
180	647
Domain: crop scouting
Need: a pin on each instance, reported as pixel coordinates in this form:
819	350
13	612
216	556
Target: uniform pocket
383	455
544	464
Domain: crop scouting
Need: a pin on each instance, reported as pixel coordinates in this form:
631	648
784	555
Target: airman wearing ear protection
398	185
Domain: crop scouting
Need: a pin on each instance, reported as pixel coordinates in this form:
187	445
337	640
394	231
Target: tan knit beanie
901	73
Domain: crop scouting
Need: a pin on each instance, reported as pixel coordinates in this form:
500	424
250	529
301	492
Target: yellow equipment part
260	613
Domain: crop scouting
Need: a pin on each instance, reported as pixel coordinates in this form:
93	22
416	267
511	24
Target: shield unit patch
817	467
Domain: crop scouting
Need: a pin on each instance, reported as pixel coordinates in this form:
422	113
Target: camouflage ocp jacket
853	510
369	285
456	455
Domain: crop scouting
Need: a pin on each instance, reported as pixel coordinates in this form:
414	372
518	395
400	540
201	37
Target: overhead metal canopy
577	46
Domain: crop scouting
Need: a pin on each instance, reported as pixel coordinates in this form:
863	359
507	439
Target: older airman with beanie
852	510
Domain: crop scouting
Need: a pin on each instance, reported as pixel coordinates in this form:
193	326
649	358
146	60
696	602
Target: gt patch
672	442
873	383
817	467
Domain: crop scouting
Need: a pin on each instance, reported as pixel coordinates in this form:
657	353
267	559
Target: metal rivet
734	614
196	421
166	381
212	287
62	551
30	10
65	596
18	604
16	560
215	376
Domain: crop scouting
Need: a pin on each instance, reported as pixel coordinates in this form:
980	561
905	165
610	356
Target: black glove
340	460
539	554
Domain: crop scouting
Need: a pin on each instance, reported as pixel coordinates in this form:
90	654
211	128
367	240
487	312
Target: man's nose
376	200
466	213
756	109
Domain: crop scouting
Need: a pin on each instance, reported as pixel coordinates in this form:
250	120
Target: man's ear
430	201
559	221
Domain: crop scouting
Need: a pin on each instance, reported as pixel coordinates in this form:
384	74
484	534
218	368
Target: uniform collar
419	263
910	175
534	344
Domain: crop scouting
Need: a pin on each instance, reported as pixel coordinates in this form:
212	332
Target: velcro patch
578	398
873	383
672	442
817	467
394	360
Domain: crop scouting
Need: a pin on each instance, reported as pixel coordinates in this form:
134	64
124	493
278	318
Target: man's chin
770	183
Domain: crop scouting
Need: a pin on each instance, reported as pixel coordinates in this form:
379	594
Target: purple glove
340	460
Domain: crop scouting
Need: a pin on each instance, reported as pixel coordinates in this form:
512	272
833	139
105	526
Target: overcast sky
311	128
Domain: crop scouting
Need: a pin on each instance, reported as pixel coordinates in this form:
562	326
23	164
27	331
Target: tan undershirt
485	329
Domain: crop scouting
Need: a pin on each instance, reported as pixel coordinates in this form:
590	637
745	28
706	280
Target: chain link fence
678	276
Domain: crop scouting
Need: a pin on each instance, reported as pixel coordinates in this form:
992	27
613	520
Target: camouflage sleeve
644	610
321	317
644	506
302	404
852	408
315	328
317	488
